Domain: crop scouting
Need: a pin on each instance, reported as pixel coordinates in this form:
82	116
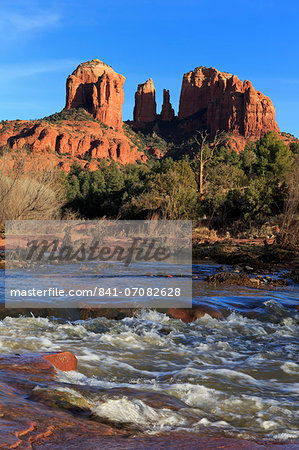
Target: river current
237	376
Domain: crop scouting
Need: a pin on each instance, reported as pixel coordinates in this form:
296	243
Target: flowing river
237	377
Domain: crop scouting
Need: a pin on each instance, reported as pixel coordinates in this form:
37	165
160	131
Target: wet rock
34	363
234	279
230	279
278	282
28	423
28	364
221	269
65	361
61	399
189	315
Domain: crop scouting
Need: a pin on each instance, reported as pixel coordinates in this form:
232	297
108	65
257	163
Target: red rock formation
145	103
167	113
77	136
220	101
96	87
65	142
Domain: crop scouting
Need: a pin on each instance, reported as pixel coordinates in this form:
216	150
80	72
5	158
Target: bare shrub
69	214
202	232
24	194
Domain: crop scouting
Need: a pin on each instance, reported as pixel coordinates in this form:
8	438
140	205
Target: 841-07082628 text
99	291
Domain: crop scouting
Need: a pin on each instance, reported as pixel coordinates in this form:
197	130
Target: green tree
274	158
171	193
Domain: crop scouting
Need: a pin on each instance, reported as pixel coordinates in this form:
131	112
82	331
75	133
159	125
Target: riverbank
260	254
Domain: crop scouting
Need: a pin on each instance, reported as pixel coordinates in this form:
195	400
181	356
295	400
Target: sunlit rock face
96	87
213	100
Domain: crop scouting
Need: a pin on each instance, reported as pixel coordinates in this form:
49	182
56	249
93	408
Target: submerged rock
189	315
236	279
41	362
61	399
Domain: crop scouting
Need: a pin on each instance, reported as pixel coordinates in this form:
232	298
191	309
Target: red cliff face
145	103
220	101
67	141
95	87
167	113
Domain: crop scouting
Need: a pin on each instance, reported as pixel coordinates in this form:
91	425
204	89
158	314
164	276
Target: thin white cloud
21	19
15	71
26	22
290	81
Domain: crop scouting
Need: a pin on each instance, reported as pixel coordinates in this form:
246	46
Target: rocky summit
96	87
214	100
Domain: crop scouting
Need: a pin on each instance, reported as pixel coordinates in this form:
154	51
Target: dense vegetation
239	190
206	182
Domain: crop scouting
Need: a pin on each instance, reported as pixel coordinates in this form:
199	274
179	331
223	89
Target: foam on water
238	374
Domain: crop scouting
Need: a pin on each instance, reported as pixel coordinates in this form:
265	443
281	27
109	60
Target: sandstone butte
96	87
73	136
216	100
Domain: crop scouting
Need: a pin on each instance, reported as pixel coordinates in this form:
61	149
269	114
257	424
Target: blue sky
41	43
